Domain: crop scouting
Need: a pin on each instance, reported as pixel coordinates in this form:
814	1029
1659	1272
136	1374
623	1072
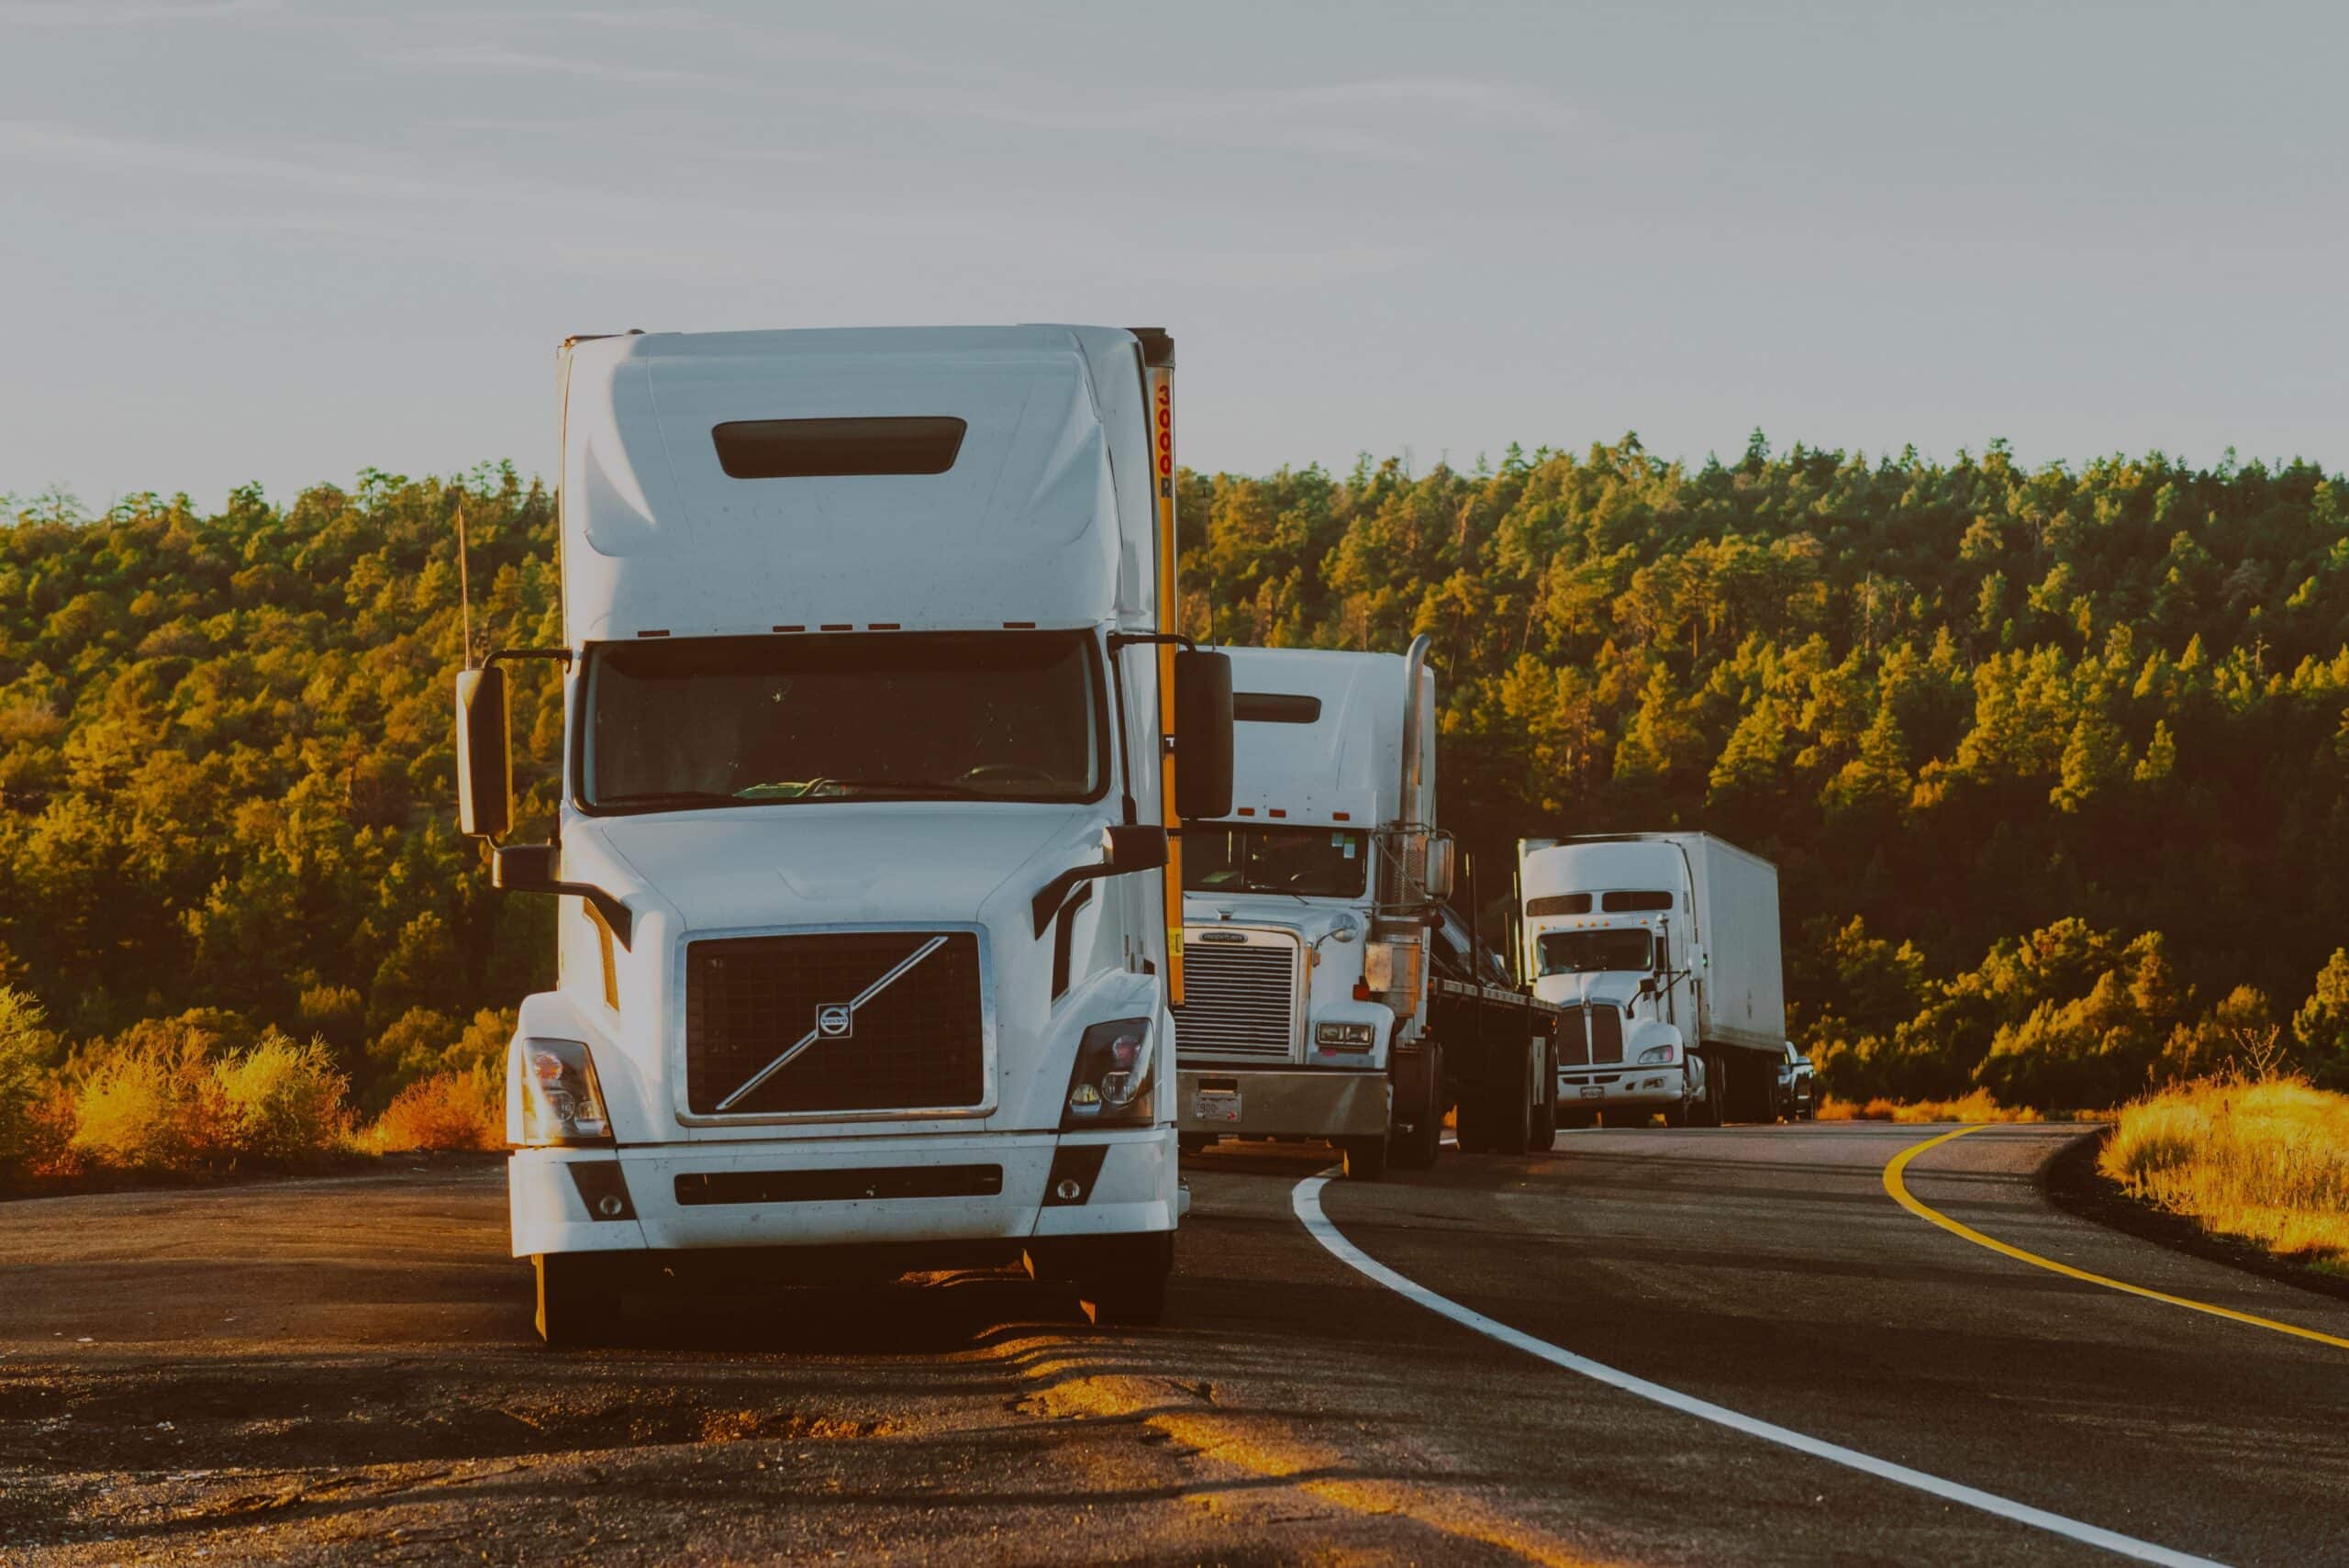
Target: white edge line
1307	1201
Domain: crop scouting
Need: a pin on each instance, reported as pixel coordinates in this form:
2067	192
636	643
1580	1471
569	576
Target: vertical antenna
464	585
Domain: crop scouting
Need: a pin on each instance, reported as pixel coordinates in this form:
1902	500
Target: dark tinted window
814	449
1561	903
1605	951
1313	862
1632	903
1275	707
756	720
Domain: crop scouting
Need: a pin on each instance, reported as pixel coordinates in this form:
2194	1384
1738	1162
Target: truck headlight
1656	1053
562	1102
1110	1082
1345	1037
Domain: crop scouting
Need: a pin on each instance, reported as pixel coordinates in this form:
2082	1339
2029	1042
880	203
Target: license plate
1593	1091
1215	1105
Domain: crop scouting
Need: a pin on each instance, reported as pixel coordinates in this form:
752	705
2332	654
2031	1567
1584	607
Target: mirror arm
614	914
1118	640
561	656
1050	896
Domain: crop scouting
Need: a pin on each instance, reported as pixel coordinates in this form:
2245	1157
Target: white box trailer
1669	943
875	726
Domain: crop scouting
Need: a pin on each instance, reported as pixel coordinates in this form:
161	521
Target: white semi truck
875	733
1318	1002
1664	947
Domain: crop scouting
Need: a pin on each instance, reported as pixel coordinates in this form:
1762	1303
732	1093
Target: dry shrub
2267	1161
458	1109
153	1107
1975	1107
284	1101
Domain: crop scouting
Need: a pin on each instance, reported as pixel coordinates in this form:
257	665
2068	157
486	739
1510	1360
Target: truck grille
916	1043
1238	1000
1590	1034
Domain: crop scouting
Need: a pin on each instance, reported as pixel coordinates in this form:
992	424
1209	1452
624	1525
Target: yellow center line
1898	1188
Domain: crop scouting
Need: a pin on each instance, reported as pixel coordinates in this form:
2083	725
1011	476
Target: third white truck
1664	947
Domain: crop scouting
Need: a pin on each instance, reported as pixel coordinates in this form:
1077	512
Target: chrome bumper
1282	1103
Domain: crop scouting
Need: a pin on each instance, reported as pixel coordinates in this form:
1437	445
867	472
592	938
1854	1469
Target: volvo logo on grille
836	1020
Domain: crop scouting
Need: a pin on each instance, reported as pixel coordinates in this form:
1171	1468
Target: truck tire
1416	1150
1364	1157
1121	1280
1544	1132
1508	1120
1713	1110
577	1304
1543	1135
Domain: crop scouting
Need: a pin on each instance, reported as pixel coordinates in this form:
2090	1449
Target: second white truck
1326	995
1665	949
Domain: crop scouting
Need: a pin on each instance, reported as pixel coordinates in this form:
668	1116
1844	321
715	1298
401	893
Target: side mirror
485	767
1202	734
1438	876
1133	846
522	868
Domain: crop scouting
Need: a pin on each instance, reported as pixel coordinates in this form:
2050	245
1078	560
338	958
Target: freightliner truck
1312	1008
874	734
1665	949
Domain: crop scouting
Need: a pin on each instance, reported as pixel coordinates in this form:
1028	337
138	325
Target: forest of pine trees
2052	760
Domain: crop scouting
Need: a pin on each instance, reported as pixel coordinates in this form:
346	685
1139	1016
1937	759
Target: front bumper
1271	1102
1131	1190
1606	1088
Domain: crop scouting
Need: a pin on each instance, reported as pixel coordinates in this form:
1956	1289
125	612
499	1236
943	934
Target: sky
282	243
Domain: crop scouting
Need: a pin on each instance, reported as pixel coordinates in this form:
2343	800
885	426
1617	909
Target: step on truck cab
1663	946
874	733
1310	1009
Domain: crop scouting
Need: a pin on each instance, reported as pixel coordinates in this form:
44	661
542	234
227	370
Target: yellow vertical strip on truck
1170	618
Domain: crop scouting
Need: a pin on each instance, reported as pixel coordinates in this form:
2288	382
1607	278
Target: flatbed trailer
1490	1053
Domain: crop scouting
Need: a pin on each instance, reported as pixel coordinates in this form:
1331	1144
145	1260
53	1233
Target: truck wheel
1416	1150
1365	1158
1121	1280
1545	1127
577	1305
1513	1118
1707	1110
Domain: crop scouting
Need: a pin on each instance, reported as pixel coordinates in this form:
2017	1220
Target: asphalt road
343	1370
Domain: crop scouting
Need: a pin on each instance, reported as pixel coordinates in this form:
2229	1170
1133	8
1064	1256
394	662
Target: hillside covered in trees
2052	760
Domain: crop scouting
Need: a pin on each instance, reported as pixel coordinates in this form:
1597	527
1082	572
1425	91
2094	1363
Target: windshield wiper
803	789
669	797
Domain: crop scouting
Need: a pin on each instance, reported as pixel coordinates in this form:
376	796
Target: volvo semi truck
876	732
1311	1007
1665	949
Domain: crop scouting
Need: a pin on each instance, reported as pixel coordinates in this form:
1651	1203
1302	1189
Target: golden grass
2264	1161
1975	1107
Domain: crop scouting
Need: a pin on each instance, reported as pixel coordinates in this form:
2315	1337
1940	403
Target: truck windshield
891	716
1594	951
1314	862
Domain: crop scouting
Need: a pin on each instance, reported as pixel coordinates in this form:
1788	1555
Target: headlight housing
562	1102
1110	1083
1345	1037
1655	1053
